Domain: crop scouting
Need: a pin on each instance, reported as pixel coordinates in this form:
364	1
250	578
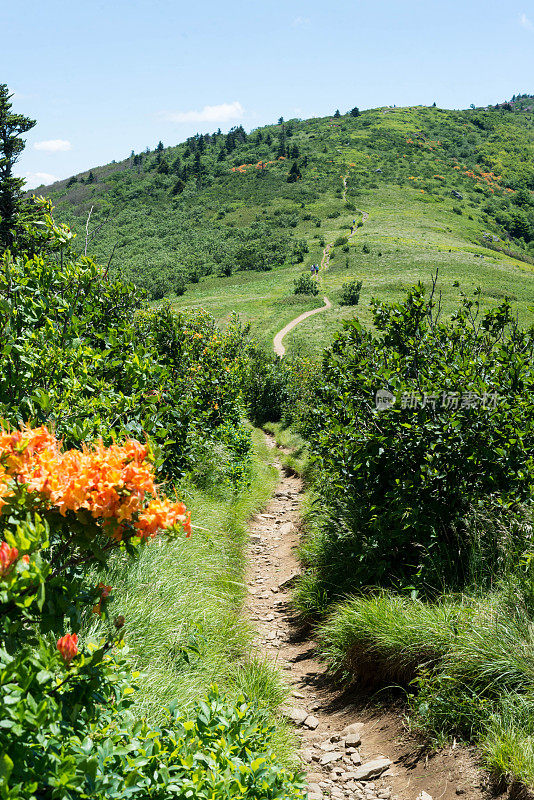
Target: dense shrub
305	284
415	491
60	513
341	240
350	293
78	354
264	386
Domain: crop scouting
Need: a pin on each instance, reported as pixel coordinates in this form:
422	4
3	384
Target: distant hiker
312	270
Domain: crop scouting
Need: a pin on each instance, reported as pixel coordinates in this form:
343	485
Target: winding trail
279	348
341	731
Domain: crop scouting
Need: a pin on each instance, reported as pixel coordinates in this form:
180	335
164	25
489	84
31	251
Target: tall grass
388	638
182	600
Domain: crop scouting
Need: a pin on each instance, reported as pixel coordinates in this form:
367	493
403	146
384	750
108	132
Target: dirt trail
279	348
365	214
332	757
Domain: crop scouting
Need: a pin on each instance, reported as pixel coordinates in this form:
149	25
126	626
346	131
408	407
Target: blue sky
104	78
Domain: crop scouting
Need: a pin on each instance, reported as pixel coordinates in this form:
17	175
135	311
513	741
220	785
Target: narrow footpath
279	348
350	748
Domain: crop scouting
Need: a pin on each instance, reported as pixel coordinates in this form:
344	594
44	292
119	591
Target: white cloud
221	113
34	179
525	22
301	22
53	146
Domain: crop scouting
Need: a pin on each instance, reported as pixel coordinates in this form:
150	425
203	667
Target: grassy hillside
228	222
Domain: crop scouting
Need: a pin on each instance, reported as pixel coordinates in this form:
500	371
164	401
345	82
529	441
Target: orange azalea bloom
160	514
68	647
8	556
109	482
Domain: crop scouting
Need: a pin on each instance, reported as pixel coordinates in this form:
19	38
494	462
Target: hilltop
228	221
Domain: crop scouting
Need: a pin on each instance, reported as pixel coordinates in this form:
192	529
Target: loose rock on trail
350	748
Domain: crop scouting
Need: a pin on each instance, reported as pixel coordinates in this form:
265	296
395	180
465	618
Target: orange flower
160	514
109	482
68	647
8	556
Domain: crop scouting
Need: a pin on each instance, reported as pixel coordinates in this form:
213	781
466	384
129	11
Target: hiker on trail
312	270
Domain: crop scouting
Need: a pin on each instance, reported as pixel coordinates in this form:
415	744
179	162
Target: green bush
305	284
423	490
78	354
350	293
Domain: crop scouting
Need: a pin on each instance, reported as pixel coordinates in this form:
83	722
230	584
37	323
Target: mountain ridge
188	217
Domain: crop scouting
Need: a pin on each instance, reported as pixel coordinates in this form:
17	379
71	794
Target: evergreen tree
71	182
282	142
355	112
229	142
337	114
294	173
11	146
178	187
281	121
176	166
163	167
91	178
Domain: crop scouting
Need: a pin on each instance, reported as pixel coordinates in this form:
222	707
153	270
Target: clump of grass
386	638
294	454
467	663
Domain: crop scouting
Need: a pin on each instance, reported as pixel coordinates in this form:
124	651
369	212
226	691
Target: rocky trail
350	746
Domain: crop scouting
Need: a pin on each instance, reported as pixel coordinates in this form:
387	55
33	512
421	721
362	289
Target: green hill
228	221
